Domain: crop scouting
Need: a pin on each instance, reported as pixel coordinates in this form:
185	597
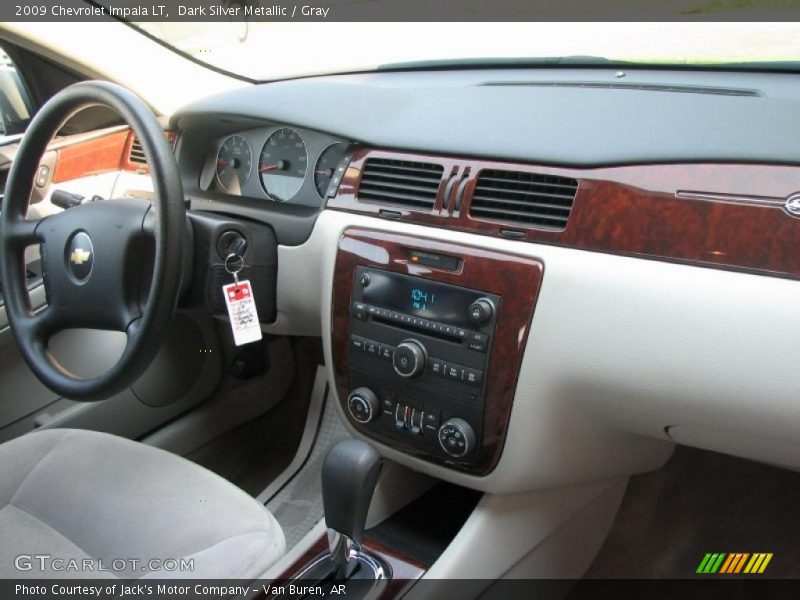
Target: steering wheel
96	257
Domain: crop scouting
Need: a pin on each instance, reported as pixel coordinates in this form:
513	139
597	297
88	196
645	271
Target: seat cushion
76	495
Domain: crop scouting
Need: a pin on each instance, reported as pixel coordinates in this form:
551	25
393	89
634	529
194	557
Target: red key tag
242	312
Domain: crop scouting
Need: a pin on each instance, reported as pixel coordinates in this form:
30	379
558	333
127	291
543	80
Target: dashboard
277	163
624	231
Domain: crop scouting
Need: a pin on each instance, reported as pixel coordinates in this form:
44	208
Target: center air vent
524	198
403	182
136	155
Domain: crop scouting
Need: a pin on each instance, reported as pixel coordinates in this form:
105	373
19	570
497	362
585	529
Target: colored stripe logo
734	563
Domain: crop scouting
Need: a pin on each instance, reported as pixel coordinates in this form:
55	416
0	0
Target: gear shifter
349	475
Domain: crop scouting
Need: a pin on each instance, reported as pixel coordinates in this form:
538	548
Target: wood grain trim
90	157
405	570
634	210
99	155
516	279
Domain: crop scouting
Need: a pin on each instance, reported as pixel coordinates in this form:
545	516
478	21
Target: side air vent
523	198
137	153
403	182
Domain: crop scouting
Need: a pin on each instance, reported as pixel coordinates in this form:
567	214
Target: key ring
233	264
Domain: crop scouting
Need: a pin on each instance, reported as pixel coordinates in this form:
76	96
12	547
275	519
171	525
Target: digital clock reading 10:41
422	299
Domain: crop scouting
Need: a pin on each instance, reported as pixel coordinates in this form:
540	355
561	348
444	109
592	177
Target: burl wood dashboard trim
90	157
515	279
98	155
729	216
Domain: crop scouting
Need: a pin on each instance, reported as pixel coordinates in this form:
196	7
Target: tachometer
234	161
326	166
283	164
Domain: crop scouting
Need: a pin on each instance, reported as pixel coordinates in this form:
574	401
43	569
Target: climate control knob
456	437
363	406
409	358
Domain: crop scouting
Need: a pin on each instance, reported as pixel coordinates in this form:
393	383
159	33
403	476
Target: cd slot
416	328
439	334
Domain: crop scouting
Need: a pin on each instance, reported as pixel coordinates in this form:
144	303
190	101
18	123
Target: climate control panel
418	351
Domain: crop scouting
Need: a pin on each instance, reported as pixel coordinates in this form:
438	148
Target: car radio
418	354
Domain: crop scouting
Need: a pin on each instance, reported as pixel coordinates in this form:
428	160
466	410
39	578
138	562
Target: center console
428	339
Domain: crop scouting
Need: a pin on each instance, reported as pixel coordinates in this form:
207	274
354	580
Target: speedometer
283	163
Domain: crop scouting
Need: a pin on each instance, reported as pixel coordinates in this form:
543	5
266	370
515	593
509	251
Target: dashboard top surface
569	117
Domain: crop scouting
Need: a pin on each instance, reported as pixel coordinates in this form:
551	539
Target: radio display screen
418	297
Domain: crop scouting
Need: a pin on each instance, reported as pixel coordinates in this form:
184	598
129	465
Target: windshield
267	51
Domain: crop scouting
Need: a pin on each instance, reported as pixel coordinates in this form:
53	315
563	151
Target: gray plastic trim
457	113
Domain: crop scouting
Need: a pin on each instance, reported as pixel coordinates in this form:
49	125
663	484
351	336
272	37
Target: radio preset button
473	376
436	366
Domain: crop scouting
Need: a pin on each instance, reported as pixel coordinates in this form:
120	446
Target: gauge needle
223	163
265	168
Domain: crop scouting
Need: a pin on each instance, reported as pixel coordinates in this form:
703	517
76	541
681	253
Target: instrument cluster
278	163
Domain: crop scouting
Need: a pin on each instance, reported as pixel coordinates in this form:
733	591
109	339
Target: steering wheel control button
409	359
80	256
456	437
363	405
481	311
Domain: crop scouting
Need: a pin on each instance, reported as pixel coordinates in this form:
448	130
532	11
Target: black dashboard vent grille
524	198
137	153
403	182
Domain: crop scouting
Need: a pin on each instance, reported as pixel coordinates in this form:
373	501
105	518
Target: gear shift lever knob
349	475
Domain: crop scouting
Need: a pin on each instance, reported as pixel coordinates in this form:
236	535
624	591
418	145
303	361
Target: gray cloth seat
97	499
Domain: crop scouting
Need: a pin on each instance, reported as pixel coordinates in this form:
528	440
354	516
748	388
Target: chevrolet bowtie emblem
79	256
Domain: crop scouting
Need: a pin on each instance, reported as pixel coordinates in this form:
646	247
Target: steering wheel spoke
113	265
23	232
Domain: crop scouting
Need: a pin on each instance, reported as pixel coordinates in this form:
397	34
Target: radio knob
409	358
456	437
362	404
481	311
